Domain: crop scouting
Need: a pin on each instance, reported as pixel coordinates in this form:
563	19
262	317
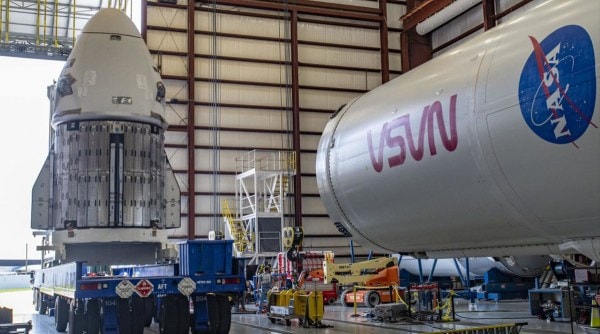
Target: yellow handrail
1	19
239	236
74	10
55	23
292	161
7	22
37	24
45	21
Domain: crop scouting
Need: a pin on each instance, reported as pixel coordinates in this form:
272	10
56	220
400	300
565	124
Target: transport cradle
130	298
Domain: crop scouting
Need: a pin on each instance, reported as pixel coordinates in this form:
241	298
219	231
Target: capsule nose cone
111	21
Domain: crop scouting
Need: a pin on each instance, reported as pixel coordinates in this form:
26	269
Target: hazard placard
187	286
144	288
125	289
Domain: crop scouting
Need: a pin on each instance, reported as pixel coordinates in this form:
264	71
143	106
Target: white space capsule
491	149
107	182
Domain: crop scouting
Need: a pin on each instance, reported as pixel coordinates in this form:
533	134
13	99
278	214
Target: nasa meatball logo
557	89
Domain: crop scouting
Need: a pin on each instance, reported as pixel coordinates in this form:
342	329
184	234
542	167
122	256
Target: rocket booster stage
107	181
490	149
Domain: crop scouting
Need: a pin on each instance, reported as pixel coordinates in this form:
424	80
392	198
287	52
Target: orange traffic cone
595	315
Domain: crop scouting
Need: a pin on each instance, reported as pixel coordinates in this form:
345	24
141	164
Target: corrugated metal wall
267	75
243	96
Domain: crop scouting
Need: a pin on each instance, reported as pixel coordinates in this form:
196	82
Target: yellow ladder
285	181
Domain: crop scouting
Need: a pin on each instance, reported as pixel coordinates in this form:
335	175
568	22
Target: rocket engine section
107	186
490	149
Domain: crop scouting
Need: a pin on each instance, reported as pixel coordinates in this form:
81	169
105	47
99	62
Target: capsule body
107	191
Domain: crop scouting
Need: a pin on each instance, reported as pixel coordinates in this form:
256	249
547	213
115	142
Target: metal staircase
242	240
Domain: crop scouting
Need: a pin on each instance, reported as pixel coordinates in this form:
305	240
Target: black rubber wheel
272	320
124	318
372	298
343	298
61	314
149	307
288	322
138	319
183	311
225	321
214	318
167	315
36	299
43	306
92	316
76	320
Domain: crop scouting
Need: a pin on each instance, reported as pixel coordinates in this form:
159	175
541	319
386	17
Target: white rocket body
491	149
107	191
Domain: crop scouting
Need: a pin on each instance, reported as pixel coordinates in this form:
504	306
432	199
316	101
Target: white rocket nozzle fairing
107	185
490	149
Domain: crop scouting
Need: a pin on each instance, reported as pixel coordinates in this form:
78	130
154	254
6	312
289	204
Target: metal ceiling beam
343	13
423	11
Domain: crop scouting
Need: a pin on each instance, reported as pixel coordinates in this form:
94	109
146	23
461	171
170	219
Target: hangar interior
250	86
261	75
246	78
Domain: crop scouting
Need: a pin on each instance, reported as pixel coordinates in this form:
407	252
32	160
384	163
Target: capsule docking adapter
106	190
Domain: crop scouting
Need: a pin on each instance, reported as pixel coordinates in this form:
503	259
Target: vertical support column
383	35
420	263
489	14
191	149
432	271
296	119
415	49
144	20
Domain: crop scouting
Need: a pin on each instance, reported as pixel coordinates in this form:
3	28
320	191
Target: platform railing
266	160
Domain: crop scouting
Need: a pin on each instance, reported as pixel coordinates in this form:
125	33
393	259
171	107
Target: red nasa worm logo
396	143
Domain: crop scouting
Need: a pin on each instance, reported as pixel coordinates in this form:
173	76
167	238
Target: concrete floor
340	318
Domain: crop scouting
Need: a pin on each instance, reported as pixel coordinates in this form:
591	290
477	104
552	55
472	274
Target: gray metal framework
46	29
